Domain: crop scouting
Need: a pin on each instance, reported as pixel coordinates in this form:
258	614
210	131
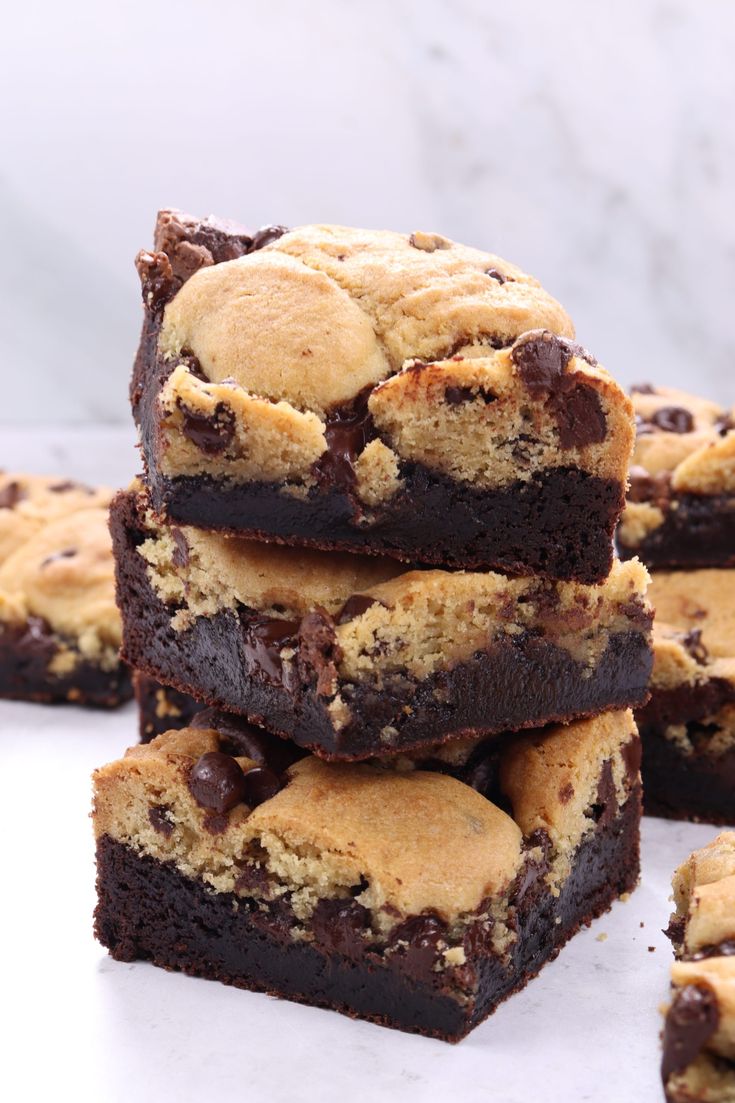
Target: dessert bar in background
699	1033
310	882
356	656
59	625
688	726
375	392
161	708
680	511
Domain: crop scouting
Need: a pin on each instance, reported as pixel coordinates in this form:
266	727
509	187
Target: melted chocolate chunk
265	235
217	782
422	934
632	754
673	419
347	431
319	650
692	1020
260	785
264	637
692	643
580	417
11	494
456	396
722	949
212	433
159	817
605	808
496	275
180	557
355	606
65	553
339	925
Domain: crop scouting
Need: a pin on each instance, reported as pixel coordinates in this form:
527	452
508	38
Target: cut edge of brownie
698	531
541	526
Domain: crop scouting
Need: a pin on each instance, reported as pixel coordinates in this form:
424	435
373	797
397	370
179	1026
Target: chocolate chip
265	235
693	645
180	557
691	1021
11	494
566	793
605	808
159	816
69	484
260	785
456	395
66	553
217	782
724	424
319	651
210	432
355	606
673	419
580	417
238	737
496	275
339	924
631	755
541	358
642	388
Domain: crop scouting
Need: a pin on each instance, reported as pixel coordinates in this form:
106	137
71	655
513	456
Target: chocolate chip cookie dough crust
344	388
354	656
311	883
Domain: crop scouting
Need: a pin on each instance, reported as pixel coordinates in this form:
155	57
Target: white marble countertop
80	1023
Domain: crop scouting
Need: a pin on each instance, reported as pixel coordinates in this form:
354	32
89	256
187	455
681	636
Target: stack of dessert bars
680	519
388	661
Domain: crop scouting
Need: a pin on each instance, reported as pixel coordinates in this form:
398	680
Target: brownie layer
558	525
161	708
26	652
698	532
697	786
148	911
224	660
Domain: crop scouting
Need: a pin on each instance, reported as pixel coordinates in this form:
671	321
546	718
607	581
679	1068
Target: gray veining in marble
591	143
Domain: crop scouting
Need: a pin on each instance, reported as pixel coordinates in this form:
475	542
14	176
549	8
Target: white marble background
591	143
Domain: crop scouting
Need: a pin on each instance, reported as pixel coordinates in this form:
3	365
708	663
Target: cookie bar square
402	896
59	625
688	726
161	708
355	656
698	1063
375	392
681	503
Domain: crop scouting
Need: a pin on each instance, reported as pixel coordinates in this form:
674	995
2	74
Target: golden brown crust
701	459
29	502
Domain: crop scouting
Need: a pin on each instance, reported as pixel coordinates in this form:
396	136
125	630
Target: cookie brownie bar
354	656
402	896
688	729
699	1035
161	708
353	389
59	626
681	503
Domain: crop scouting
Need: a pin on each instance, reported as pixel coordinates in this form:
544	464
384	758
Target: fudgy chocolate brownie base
453	391
692	777
27	654
149	911
161	708
559	524
232	660
697	531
